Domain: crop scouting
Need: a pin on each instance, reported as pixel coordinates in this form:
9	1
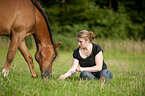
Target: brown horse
18	20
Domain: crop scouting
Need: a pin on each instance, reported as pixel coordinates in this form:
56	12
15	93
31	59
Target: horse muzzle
46	74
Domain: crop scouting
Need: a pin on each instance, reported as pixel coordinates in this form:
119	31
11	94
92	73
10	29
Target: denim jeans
106	73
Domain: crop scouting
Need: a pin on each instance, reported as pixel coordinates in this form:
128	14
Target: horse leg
24	50
11	54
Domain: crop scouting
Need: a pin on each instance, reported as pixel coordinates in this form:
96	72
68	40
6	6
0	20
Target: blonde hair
86	35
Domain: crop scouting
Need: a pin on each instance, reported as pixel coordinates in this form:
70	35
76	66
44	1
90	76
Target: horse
19	19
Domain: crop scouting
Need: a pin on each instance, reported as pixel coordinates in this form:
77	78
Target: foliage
72	16
123	20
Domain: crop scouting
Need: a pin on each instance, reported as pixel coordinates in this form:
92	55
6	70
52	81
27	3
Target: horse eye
54	57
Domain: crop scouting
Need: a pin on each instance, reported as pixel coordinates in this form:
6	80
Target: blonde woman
88	59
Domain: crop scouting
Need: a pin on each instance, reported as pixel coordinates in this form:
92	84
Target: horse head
45	57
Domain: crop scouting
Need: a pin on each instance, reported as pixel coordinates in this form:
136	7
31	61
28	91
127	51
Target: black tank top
90	60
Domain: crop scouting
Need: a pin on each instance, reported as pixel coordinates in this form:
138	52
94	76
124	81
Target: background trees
107	18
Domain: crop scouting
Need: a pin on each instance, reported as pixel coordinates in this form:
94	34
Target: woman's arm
72	70
99	64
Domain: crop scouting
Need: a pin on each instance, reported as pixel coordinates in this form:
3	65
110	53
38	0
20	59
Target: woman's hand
62	77
71	71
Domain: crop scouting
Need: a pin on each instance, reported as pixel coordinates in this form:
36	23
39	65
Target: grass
127	68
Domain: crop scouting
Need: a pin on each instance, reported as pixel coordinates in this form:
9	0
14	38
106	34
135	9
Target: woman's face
82	42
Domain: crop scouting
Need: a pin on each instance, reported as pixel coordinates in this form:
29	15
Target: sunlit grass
127	68
128	72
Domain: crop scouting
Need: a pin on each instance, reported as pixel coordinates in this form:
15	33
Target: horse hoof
4	73
35	76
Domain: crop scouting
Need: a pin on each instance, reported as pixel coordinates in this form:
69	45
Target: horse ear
57	45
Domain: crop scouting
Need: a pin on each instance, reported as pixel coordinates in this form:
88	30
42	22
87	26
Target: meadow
126	60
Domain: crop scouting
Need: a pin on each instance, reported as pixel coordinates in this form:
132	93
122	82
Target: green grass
127	69
125	59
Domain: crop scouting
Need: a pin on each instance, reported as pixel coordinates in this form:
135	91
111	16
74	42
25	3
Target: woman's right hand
71	71
62	77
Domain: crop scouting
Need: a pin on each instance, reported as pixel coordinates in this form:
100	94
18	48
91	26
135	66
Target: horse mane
38	6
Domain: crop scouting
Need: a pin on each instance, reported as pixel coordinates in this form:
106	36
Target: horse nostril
46	74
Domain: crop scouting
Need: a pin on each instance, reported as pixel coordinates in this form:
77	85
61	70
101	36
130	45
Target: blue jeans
106	73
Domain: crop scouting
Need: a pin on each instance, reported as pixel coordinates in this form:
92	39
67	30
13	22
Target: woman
88	59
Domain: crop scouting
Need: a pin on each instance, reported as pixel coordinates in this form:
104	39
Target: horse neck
42	39
42	35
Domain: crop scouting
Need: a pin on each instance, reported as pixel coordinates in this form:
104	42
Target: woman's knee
87	75
84	73
106	73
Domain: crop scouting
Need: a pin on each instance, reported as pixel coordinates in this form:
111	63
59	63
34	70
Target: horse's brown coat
18	20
